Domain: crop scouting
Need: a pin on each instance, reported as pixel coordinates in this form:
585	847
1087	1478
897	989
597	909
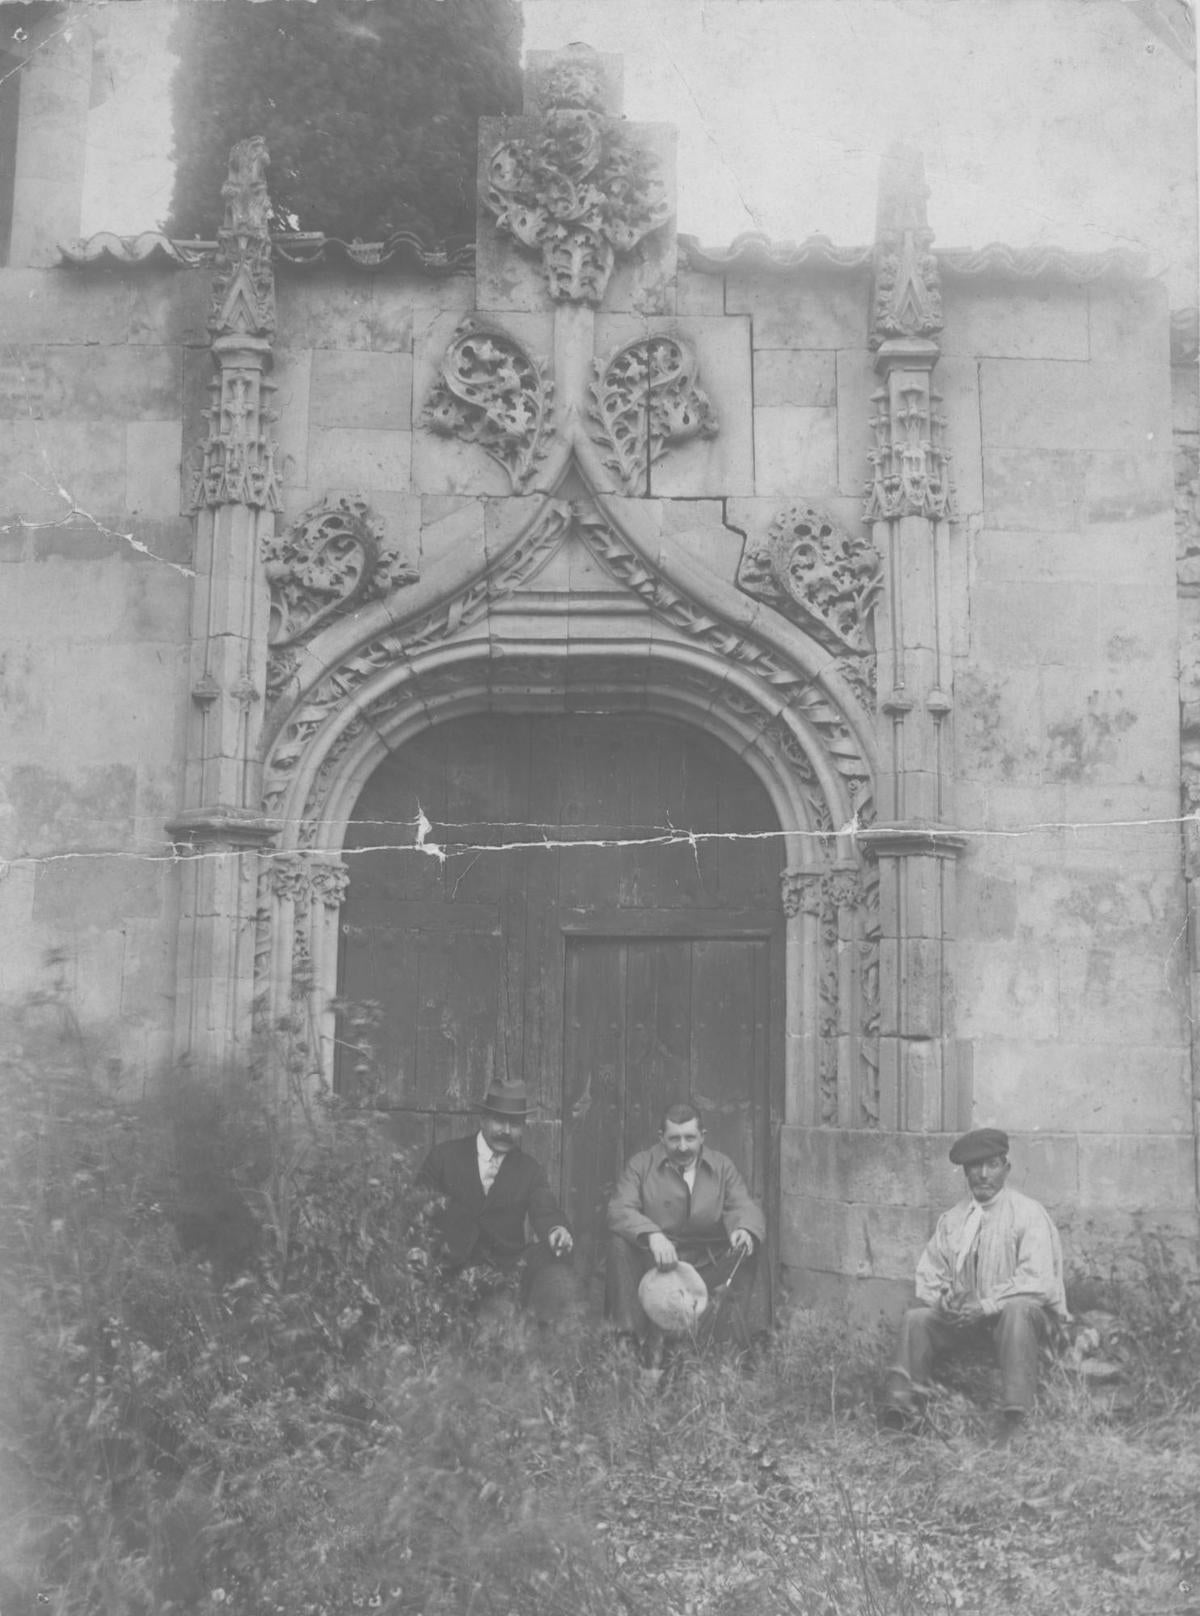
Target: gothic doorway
614	972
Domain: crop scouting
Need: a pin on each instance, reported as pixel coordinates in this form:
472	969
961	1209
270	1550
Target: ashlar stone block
821	311
355	389
153	457
1014	322
795	451
786	376
346	457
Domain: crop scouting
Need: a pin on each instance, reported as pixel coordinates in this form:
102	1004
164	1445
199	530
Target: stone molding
646	399
328	562
491	392
816	573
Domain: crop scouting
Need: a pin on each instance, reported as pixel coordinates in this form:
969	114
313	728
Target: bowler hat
506	1100
979	1146
673	1298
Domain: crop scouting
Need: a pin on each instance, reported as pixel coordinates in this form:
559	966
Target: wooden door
651	1020
613	973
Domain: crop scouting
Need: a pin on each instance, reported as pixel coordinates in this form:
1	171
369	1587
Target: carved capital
305	880
824	579
843	889
910	463
491	392
237	465
331	560
800	890
644	400
578	193
243	295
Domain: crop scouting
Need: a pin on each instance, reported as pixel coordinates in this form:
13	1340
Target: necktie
488	1170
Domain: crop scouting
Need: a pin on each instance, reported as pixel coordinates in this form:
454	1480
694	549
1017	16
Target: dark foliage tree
369	108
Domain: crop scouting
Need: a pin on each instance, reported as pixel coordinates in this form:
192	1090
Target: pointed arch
659	634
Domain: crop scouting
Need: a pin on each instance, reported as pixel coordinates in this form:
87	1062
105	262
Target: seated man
679	1201
486	1187
993	1269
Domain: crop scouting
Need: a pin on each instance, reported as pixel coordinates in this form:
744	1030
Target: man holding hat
680	1202
486	1188
993	1268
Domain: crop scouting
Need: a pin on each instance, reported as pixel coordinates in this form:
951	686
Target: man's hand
743	1241
560	1241
663	1252
968	1311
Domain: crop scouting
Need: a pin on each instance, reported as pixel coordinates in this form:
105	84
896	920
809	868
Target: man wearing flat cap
485	1188
994	1269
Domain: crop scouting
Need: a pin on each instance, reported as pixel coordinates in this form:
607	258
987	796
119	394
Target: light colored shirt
1004	1247
490	1162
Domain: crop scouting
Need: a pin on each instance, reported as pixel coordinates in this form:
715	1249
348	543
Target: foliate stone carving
331	559
821	577
243	295
491	392
908	289
910	464
238	461
800	890
868	988
578	194
644	400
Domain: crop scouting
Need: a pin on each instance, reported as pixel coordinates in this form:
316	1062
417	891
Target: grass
232	1384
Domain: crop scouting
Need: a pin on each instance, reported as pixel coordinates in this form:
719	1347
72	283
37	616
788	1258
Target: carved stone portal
644	400
331	559
492	393
578	194
821	577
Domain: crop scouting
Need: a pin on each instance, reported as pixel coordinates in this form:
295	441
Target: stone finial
907	301
577	78
243	299
574	185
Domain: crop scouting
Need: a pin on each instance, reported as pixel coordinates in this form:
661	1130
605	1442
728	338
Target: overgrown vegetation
233	1385
369	109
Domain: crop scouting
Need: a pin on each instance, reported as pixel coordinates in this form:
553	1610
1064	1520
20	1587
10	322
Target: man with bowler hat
993	1269
485	1187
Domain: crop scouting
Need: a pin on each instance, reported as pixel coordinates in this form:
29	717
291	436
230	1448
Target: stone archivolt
821	577
437	657
491	392
331	560
578	194
644	400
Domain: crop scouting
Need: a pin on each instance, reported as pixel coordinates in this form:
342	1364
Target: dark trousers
1015	1334
628	1261
544	1284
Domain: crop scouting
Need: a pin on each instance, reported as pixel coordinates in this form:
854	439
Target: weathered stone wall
93	639
1071	981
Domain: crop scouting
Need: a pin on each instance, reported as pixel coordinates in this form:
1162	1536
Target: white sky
1067	121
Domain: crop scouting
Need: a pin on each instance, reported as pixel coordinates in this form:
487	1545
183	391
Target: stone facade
902	528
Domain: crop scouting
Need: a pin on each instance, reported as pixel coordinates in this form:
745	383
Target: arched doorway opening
572	935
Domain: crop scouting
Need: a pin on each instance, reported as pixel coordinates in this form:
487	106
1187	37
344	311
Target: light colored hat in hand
673	1298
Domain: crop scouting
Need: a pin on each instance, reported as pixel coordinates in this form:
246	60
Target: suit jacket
474	1225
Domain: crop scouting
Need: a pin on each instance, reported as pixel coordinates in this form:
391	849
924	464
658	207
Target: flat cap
979	1146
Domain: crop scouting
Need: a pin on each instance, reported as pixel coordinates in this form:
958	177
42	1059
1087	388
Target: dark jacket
473	1225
